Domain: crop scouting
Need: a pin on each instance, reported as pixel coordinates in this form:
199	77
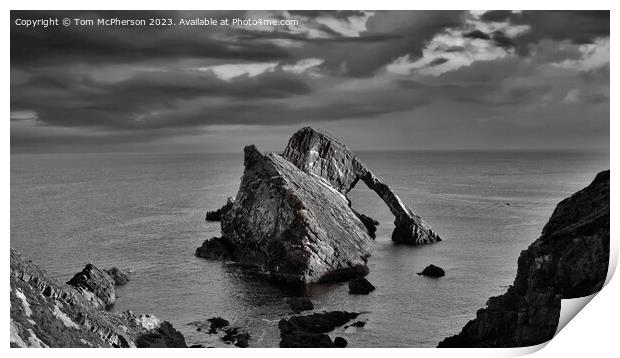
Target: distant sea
146	212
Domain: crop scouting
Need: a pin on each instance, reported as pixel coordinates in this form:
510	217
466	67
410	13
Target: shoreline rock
569	260
217	248
360	286
299	304
96	285
48	313
217	214
310	331
119	277
432	271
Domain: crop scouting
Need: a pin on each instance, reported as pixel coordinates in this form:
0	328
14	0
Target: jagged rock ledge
217	214
47	313
569	260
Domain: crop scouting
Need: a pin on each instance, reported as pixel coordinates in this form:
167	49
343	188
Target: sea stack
569	260
291	217
318	153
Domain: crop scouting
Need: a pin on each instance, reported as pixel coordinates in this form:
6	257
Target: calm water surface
146	212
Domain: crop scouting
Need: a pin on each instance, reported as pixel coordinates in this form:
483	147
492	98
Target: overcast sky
378	80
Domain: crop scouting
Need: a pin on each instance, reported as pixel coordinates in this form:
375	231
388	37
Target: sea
145	212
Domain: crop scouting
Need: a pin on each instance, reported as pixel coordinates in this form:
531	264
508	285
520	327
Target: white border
592	332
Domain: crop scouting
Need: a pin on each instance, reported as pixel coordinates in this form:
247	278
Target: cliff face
319	153
47	313
569	260
294	225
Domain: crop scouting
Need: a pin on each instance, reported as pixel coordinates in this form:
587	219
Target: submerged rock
321	154
120	277
217	323
432	271
217	214
569	260
358	324
299	304
340	342
95	284
360	286
293	225
236	336
310	331
48	313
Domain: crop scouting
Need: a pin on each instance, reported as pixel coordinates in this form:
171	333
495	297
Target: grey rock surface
311	331
294	225
48	313
95	284
321	154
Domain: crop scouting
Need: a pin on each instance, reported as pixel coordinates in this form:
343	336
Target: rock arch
317	152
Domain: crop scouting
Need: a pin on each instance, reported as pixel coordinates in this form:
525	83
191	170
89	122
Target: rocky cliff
321	154
569	260
47	313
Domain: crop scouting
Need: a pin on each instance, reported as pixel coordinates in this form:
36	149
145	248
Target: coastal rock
569	260
340	342
216	248
360	286
358	324
217	323
299	304
370	223
95	284
432	271
120	277
236	336
48	313
217	214
310	331
294	225
319	153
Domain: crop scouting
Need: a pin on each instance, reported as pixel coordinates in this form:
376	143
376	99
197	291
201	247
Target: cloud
230	71
304	65
441	69
477	34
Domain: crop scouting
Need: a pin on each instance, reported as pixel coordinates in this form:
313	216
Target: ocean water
146	212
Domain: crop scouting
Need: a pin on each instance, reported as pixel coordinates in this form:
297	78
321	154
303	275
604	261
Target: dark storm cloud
138	84
94	44
481	83
341	14
438	61
477	34
497	15
415	30
500	39
389	35
578	27
61	97
67	100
